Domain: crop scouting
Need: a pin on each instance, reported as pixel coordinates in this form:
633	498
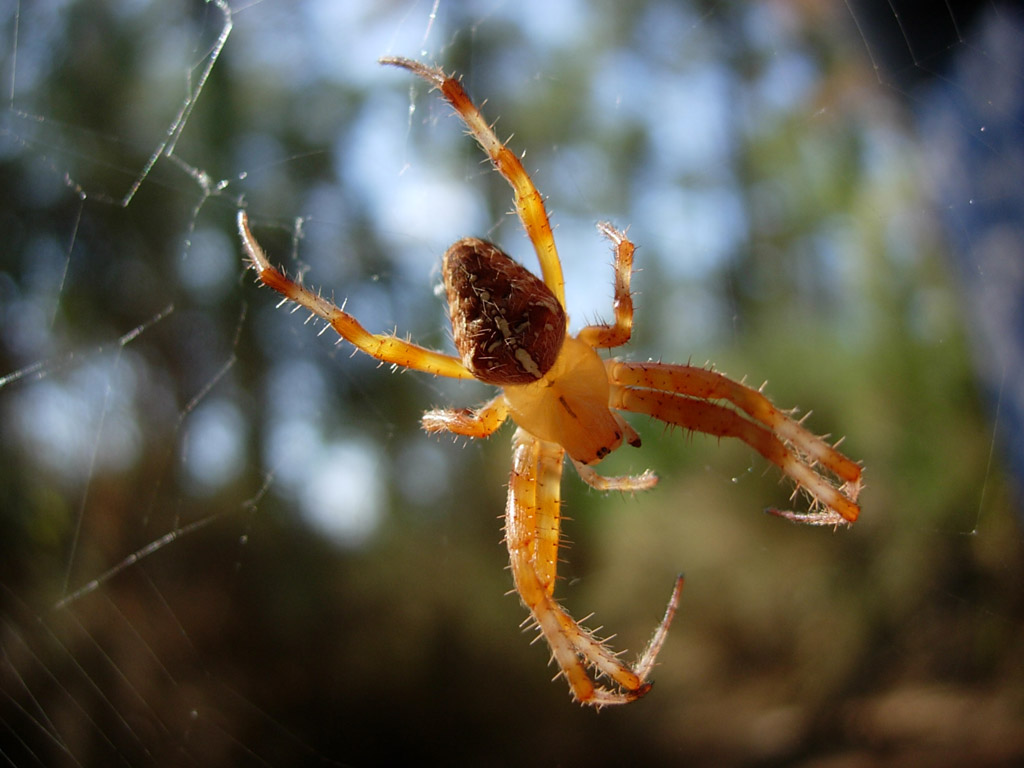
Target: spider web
226	540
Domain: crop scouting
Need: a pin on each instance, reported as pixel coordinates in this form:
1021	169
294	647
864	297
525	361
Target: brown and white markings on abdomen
507	324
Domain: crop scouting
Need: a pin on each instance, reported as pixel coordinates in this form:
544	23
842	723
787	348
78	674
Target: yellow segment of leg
482	422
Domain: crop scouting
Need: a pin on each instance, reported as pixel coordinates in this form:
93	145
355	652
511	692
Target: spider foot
642	482
631	681
825	517
645	663
602	697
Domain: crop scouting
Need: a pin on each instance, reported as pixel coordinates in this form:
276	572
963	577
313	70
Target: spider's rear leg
605	336
799	454
532	525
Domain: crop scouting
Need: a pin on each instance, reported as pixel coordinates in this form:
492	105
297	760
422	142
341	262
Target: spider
510	330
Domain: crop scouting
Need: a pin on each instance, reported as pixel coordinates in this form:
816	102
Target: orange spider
510	331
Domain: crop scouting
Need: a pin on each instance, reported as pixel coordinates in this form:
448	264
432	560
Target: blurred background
226	540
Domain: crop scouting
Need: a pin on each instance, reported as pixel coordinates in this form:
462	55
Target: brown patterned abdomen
507	324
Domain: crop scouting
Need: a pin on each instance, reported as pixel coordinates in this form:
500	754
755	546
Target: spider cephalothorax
509	328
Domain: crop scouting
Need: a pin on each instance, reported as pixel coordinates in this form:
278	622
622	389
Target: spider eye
507	324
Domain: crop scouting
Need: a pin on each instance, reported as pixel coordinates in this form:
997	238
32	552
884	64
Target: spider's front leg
532	530
617	334
384	347
528	201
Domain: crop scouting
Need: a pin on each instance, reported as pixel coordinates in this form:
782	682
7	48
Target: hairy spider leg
528	201
479	422
532	531
385	347
680	395
605	336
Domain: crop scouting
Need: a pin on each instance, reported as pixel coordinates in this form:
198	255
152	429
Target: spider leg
384	347
680	394
481	422
528	201
606	336
642	482
532	529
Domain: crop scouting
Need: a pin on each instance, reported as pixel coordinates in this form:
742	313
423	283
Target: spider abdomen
507	324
